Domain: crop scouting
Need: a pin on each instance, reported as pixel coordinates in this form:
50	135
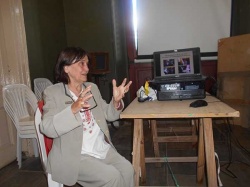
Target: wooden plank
233	54
175	129
155	142
136	149
234	75
209	149
170	159
155	138
201	154
192	138
235	91
234	86
237	102
142	158
194	125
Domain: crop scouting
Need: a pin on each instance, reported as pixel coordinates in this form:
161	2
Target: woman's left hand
119	92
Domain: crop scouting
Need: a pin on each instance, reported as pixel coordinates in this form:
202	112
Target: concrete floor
232	144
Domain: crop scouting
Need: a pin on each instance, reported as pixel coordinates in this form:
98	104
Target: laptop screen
178	62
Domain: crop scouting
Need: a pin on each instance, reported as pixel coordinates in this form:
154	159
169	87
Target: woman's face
78	71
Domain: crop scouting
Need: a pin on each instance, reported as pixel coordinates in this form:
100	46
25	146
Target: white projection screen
177	24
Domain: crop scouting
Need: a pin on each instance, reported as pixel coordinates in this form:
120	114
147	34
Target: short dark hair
66	57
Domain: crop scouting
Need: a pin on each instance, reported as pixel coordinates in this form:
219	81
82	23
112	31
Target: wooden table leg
209	152
137	138
142	160
201	156
155	136
155	140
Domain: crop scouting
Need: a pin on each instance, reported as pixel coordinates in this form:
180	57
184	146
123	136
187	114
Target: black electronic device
198	103
179	88
176	63
177	75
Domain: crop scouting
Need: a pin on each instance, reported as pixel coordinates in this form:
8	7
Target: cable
229	143
238	143
172	174
229	146
230	137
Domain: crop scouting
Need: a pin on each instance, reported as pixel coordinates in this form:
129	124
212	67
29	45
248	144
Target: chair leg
35	146
19	152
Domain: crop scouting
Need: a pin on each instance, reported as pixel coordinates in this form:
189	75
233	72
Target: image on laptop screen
178	62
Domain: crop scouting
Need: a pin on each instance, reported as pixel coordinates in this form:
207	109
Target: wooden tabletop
178	109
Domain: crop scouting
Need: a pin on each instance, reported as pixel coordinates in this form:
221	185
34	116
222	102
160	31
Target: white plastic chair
20	104
39	86
42	150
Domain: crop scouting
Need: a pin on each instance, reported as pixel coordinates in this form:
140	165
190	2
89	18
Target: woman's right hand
82	101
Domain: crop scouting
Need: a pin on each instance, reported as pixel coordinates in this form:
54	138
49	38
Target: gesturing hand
82	101
119	92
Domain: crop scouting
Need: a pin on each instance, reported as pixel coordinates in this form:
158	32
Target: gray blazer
66	128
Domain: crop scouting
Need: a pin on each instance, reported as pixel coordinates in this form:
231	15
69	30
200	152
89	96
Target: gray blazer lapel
68	99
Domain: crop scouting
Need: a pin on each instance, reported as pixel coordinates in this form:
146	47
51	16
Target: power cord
230	154
172	174
230	137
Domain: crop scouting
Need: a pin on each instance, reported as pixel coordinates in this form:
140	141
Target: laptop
177	64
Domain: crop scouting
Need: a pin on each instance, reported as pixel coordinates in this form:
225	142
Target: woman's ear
66	69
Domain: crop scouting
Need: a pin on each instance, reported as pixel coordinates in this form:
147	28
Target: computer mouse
198	103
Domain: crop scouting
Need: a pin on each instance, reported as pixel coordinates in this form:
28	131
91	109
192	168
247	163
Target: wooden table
179	109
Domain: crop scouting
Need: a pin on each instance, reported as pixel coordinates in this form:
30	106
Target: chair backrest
39	86
19	102
42	148
40	137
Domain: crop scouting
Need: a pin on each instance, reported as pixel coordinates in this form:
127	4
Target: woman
75	115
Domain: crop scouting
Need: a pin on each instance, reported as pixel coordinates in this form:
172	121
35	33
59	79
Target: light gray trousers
113	171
